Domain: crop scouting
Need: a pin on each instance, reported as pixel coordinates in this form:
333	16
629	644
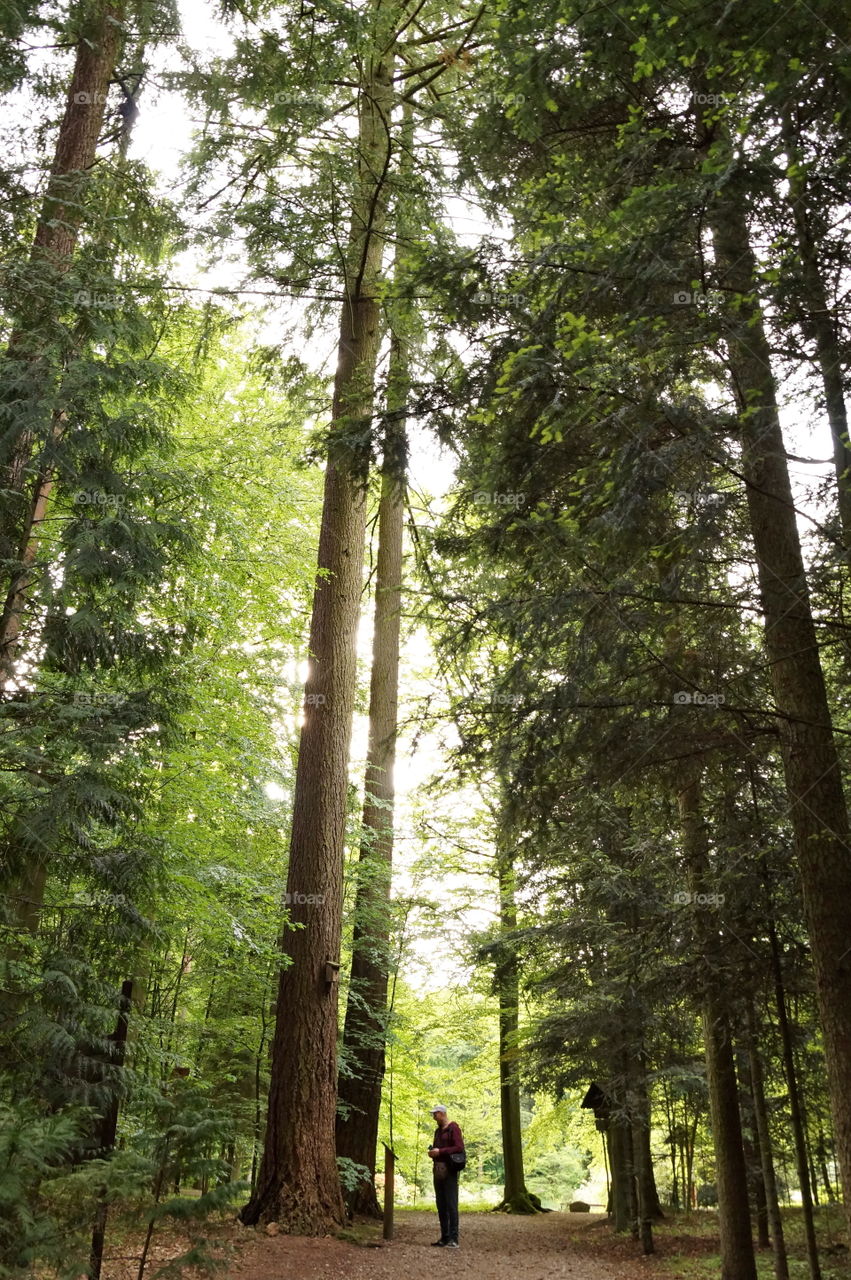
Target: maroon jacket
448	1141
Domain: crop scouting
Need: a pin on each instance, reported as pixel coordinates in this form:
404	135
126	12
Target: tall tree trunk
621	1196
26	898
805	1129
259	1059
25	482
670	1124
821	1152
107	1126
645	1198
769	1177
813	781
643	1203
823	327
365	1029
794	1103
753	1152
648	1191
298	1184
515	1196
753	1156
52	252
690	1154
737	1252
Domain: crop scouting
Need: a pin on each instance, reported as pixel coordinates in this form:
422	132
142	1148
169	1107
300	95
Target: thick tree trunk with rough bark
813	781
737	1251
365	1032
298	1184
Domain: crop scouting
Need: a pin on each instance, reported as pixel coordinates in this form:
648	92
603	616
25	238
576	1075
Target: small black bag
458	1160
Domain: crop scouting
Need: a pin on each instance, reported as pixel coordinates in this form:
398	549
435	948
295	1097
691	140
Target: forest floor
494	1246
502	1247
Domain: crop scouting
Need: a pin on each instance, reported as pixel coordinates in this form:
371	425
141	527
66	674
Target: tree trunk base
293	1216
522	1202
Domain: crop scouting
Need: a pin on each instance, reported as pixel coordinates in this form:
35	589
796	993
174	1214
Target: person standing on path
448	1142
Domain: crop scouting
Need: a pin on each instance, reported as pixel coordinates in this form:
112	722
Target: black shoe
440	1244
453	1244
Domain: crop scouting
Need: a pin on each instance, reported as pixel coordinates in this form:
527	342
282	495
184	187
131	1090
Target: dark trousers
446	1195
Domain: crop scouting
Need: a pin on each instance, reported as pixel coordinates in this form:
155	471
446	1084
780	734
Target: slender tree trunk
645	1197
753	1156
823	326
298	1184
692	1144
670	1122
515	1197
26	898
805	1129
27	487
737	1252
643	1207
259	1059
107	1127
751	1148
633	1180
794	1104
813	781
769	1177
620	1159
649	1191
365	1030
731	1171
821	1152
813	1178
52	251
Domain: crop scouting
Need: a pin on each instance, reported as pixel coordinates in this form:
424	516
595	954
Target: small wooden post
389	1190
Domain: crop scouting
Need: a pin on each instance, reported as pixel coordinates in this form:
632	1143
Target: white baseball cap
439	1107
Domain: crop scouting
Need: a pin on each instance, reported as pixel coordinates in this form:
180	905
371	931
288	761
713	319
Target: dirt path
493	1247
